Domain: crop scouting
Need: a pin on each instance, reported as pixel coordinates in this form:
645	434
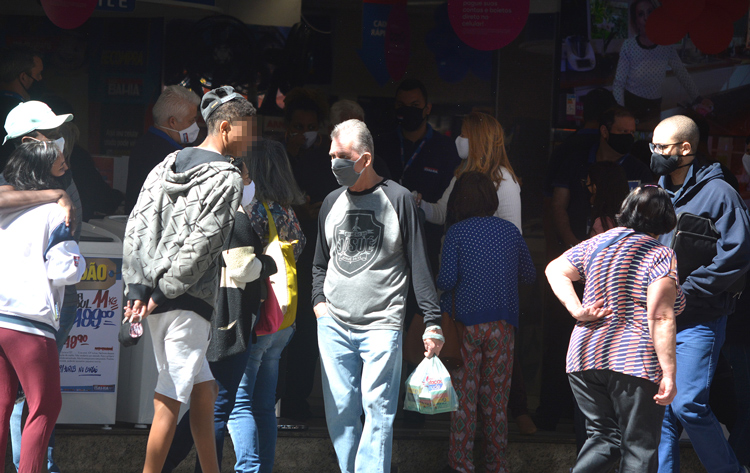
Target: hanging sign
68	14
488	24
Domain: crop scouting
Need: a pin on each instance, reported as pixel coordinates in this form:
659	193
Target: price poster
88	361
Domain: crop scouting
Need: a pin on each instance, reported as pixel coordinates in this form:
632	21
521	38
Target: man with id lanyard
418	157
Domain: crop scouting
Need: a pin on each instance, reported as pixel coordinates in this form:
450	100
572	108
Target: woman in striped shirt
621	357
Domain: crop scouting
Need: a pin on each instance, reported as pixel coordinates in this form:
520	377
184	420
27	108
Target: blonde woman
481	146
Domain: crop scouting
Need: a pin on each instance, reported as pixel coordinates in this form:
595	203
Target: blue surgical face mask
344	171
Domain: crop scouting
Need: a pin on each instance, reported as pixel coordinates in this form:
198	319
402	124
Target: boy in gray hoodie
174	235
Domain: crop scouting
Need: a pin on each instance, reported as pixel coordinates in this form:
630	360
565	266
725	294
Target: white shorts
180	339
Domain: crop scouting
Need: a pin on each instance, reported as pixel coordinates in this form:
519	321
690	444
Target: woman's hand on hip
593	312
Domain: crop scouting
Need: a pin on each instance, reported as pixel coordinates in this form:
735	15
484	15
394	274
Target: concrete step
82	449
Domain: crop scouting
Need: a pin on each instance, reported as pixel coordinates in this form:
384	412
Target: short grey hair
174	101
344	110
358	132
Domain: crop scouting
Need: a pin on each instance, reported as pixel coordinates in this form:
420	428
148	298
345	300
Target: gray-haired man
370	248
174	115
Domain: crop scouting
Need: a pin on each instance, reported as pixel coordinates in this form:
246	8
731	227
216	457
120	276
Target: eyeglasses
659	148
587	184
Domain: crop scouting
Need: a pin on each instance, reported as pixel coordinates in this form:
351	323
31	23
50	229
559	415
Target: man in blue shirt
698	187
418	157
175	125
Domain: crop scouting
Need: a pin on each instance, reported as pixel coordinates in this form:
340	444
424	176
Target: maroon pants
32	360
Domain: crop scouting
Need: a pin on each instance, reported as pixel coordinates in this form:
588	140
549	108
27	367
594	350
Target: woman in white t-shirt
482	147
40	258
642	68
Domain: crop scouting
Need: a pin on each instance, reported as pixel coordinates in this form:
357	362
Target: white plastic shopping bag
429	389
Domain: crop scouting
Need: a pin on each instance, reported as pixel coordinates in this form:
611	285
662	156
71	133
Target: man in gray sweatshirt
175	233
370	248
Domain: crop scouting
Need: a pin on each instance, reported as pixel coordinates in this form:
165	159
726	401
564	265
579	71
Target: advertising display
655	60
88	362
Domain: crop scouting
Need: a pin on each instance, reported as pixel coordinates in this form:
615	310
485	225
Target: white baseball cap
30	116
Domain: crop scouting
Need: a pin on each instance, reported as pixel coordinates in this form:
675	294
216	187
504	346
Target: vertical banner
385	39
88	361
397	41
124	79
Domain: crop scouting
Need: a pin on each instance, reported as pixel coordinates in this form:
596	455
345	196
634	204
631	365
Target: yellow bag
285	280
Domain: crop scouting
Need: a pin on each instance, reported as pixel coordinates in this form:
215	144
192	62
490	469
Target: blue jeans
361	370
698	348
739	357
67	319
228	373
252	424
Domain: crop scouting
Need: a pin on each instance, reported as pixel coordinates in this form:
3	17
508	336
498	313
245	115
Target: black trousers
623	422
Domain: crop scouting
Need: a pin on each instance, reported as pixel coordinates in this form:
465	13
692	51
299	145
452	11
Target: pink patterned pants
483	381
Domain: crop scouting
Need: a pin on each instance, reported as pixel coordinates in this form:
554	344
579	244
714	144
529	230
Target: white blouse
508	194
641	71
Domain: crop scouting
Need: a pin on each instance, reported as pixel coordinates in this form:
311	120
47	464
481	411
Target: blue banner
372	53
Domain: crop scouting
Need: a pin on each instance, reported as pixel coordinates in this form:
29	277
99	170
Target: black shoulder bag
694	242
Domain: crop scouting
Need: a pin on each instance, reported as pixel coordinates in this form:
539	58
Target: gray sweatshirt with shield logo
370	248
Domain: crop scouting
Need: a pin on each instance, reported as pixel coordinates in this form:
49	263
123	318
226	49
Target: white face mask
247	194
462	146
746	162
310	137
60	143
188	135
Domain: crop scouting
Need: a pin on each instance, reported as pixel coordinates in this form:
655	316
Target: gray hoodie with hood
177	228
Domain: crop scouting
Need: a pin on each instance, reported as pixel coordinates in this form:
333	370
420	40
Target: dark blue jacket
707	194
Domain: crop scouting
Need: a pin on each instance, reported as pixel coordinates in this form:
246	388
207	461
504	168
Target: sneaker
288	424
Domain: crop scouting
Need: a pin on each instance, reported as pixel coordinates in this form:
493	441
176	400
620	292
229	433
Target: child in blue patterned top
483	259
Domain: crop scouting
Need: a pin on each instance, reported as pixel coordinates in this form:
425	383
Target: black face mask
410	118
36	89
662	164
621	144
